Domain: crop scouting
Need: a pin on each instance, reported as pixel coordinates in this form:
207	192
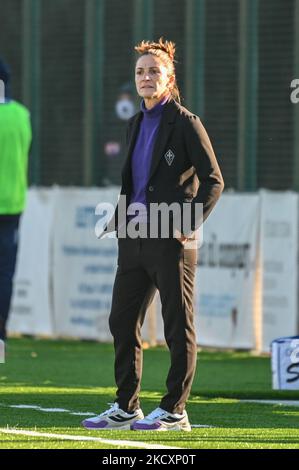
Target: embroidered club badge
169	156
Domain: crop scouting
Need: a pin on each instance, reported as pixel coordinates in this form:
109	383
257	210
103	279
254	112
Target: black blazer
183	168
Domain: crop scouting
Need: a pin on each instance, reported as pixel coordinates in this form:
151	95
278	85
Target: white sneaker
114	418
161	420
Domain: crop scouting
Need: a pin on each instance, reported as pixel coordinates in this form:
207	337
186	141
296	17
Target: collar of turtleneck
156	110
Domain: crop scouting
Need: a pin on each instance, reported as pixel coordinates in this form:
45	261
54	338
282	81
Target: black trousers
145	265
8	255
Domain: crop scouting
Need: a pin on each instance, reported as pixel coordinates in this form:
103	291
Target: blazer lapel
165	129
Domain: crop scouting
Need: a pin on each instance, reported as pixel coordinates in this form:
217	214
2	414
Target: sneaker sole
162	429
125	427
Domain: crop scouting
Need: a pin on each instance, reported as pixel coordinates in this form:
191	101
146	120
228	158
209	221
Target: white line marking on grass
50	410
274	402
35	407
77	413
201	426
70	437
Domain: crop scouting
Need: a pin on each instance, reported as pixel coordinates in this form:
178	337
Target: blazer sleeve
202	157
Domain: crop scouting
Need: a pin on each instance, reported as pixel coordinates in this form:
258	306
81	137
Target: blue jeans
8	253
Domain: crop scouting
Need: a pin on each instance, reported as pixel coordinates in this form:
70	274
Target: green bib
15	140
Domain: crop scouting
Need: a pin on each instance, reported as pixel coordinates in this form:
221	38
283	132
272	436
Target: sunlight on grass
78	377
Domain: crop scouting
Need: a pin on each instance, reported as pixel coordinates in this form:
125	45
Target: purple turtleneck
142	154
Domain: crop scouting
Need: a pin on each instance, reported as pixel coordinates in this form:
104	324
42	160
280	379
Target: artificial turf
78	376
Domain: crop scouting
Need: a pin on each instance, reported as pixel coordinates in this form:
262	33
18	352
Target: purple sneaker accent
162	420
145	427
90	425
113	418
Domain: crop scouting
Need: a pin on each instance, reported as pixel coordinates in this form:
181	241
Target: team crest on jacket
169	156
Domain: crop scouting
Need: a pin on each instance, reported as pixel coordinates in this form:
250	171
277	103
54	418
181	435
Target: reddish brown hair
165	50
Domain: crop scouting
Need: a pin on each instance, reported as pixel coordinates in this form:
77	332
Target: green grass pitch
78	376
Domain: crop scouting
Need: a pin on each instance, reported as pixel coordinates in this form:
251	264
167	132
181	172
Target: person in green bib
15	141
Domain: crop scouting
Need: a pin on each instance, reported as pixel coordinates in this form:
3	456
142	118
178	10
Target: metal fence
72	61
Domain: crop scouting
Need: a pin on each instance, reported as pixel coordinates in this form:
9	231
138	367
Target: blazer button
151	188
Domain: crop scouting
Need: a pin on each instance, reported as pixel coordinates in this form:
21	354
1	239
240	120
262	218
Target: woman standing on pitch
170	159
